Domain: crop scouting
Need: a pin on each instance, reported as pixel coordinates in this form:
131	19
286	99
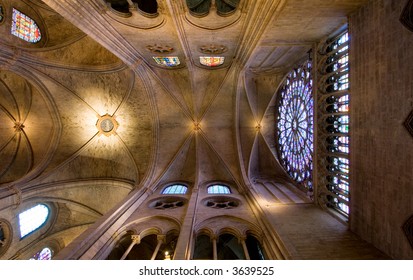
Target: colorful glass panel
32	219
211	61
169	61
218	189
175	189
44	255
295	123
25	28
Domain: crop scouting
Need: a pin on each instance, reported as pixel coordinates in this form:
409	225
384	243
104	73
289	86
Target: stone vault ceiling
190	123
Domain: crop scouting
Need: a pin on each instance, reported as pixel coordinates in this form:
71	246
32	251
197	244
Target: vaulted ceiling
186	123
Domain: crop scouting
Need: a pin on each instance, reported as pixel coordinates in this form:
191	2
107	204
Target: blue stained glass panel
175	189
218	189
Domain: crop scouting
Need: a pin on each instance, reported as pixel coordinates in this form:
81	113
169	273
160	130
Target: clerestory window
218	189
44	255
175	189
333	93
25	28
32	219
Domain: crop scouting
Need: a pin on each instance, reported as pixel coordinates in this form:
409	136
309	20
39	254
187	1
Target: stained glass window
25	28
334	92
218	189
295	124
175	189
211	61
32	219
169	61
44	255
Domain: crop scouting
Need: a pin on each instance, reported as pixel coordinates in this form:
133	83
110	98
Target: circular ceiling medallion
213	49
160	49
107	125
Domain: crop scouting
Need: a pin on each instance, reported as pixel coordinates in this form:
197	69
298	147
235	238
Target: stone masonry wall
381	151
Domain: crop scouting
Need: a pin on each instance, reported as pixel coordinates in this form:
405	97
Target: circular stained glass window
294	123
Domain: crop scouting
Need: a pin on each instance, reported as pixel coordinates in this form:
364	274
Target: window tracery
294	127
25	28
333	92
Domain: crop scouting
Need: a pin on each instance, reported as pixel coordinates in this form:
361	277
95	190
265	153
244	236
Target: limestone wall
381	151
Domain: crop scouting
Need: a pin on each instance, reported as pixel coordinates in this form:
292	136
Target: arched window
150	247
226	7
203	248
32	219
218	189
175	189
334	133
254	248
25	28
44	255
148	6
199	7
211	61
229	248
294	117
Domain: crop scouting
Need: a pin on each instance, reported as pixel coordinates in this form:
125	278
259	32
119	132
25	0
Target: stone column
214	248
136	239
244	246
161	240
184	244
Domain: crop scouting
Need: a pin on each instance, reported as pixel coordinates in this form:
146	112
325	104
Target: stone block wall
381	151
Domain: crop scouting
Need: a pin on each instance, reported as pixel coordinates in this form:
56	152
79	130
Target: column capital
161	237
136	238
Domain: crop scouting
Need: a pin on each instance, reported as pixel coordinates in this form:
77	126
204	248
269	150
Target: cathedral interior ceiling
192	122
